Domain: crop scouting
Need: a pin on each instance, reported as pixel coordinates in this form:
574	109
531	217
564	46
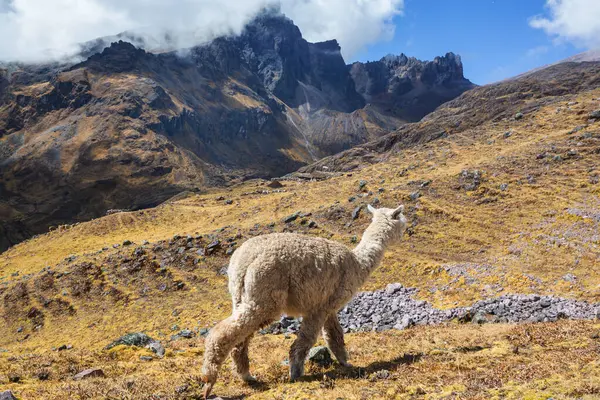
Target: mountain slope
128	129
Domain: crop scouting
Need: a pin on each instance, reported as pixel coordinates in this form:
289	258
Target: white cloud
576	21
354	23
33	30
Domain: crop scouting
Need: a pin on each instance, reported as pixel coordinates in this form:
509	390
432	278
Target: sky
496	39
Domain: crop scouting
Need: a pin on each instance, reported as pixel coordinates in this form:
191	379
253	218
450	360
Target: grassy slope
526	237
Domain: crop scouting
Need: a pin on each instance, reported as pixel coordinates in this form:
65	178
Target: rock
414	196
503	186
132	339
223	270
228	202
351	199
518	116
312	224
393	288
275	184
382	374
479	318
577	129
127	243
186	333
405	322
146	358
7	395
595	114
320	355
507	134
20	329
470	179
356	212
204	332
212	246
425	183
157	348
89	373
291	218
361	185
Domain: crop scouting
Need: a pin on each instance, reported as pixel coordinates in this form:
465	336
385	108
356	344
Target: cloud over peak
35	30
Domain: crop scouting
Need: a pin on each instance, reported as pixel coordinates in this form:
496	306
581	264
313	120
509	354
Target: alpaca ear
398	211
371	209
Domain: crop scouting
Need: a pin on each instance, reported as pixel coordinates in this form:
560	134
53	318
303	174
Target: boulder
89	373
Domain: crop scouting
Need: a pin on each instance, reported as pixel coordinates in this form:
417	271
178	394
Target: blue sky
493	37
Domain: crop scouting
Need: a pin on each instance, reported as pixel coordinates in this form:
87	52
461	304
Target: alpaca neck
371	248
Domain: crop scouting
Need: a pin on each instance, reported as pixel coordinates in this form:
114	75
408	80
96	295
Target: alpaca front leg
334	337
241	362
307	336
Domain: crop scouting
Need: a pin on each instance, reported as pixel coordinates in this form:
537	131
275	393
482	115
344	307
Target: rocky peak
274	49
118	57
409	87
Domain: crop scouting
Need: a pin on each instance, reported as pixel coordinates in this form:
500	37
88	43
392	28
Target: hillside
501	188
128	129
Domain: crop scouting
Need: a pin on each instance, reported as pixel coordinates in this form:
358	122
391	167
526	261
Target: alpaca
297	275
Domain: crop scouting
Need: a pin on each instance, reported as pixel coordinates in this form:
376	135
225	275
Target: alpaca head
391	220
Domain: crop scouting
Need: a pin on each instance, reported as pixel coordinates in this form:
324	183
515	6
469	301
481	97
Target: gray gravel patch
396	308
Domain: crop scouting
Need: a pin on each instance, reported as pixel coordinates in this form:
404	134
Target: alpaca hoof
207	389
208	386
249	378
295	377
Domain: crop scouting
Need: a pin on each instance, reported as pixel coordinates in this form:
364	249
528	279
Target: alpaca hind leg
307	336
241	362
235	329
334	337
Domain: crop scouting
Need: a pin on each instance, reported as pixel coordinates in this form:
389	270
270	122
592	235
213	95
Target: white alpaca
301	276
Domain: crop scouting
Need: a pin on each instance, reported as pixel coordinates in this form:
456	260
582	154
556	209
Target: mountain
408	88
126	128
494	103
